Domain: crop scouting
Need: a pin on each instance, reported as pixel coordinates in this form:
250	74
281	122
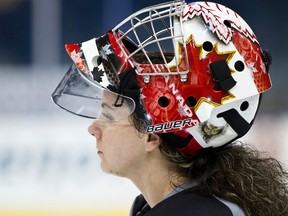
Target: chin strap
236	121
183	141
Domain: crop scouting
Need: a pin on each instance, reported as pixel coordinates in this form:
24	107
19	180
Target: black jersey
187	203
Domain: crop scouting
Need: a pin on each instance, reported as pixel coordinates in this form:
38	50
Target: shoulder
192	203
187	203
139	207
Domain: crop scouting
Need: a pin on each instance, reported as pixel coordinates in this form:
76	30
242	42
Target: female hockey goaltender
171	89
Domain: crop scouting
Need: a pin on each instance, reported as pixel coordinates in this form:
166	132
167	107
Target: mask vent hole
227	23
244	106
163	101
191	101
207	46
239	66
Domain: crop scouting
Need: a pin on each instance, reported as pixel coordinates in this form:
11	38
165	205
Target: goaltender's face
119	145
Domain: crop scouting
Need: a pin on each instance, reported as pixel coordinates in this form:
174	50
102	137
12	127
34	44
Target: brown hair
238	173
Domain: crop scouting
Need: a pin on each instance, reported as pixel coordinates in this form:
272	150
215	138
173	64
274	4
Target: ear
153	142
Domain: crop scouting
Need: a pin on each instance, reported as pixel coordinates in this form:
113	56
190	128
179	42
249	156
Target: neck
155	180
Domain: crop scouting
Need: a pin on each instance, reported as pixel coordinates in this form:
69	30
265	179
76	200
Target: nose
95	130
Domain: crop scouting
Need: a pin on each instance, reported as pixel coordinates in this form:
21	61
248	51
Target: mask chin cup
79	94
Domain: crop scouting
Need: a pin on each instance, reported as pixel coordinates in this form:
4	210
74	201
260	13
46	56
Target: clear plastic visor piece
80	95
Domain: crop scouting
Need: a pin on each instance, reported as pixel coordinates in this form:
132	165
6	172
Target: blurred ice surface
52	163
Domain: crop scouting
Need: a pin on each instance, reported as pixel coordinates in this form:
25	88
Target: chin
109	170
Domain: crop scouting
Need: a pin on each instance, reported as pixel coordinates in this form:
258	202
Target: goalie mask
192	72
